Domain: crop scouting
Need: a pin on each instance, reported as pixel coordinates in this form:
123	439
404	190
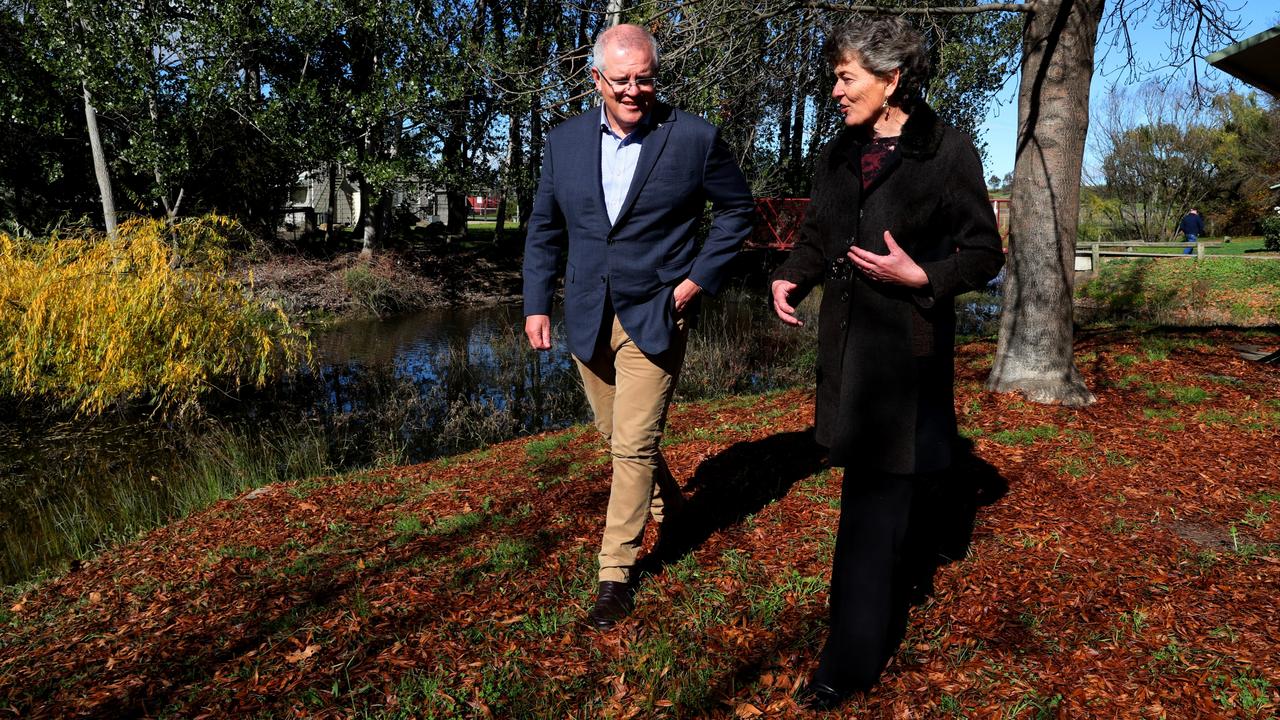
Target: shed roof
1255	60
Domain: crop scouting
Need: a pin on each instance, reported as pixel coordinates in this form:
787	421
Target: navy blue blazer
639	260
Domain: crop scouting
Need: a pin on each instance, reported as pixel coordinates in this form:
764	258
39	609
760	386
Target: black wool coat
885	397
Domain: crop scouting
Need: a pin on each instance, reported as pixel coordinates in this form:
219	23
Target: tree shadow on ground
727	487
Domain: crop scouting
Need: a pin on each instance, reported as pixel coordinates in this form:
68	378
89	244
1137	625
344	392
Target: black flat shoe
820	697
614	602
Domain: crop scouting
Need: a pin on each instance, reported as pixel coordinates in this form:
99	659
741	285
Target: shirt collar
641	129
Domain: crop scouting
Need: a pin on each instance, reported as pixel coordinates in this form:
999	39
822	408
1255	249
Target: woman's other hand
896	268
781	305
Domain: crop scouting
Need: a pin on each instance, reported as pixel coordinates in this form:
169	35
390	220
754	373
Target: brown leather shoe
614	602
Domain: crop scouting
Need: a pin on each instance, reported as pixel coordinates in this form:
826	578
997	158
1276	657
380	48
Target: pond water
380	392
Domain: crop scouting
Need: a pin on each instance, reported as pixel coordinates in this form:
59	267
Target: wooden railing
1097	250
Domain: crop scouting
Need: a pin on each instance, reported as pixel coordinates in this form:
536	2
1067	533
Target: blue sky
1151	46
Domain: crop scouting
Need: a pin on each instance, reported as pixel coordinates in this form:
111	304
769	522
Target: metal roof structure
1255	60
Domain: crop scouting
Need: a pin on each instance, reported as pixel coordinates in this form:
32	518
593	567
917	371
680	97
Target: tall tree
1035	351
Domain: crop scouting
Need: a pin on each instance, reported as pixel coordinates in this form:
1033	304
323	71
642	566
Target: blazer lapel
650	150
592	143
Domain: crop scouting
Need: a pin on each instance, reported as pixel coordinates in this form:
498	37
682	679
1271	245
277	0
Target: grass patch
1216	417
407	526
1025	436
1266	496
1074	466
453	524
1116	458
1190	394
511	555
1246	691
1217	291
541	450
766	604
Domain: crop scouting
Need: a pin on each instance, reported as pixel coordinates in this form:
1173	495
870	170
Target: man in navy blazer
623	189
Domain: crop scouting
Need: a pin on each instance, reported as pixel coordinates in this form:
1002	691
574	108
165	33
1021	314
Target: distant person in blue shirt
1191	227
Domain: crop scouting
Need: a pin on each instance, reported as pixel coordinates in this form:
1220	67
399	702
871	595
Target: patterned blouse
878	157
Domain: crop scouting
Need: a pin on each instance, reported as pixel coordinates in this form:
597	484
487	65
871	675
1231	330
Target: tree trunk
535	159
1034	355
614	12
454	154
784	134
367	223
378	230
100	164
795	164
331	230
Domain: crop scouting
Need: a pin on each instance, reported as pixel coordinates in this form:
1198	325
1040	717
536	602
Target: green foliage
221	105
87	322
1270	227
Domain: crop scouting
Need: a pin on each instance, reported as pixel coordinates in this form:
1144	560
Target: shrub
87	321
369	290
1270	227
380	289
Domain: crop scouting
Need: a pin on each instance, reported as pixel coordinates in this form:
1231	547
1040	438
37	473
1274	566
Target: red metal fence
777	223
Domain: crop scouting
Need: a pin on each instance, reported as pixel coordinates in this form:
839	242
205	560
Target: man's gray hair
627	37
882	44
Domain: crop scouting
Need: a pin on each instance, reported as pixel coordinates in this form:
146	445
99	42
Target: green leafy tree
1158	158
1247	154
45	175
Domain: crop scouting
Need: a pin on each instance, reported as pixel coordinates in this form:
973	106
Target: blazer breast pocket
676	178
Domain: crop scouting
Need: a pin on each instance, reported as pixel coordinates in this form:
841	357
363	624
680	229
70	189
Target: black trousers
873	573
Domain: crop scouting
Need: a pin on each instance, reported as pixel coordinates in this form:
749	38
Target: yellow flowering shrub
86	321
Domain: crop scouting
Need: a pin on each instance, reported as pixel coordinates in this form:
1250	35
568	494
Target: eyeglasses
641	83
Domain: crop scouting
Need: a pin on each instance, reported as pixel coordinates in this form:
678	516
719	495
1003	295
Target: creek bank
347	286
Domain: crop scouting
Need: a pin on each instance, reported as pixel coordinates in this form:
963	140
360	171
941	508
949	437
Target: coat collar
922	133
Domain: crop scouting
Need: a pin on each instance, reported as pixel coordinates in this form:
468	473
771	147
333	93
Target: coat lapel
592	142
650	150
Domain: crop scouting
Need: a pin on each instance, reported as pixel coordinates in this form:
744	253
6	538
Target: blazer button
844	297
844	324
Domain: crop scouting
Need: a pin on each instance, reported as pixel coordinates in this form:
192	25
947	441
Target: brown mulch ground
1125	562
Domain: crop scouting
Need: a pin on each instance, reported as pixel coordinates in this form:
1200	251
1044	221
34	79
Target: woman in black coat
898	225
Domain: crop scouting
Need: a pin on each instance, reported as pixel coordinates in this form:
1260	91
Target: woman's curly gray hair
882	44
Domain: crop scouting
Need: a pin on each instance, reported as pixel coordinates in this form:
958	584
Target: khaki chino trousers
629	392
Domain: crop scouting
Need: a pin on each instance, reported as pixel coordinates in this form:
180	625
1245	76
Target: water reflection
397	391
